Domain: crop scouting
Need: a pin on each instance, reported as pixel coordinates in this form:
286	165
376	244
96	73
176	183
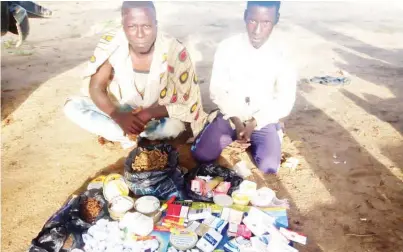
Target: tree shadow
367	197
374	71
382	67
393	57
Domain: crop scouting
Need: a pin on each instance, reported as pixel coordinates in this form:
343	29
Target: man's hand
144	115
246	133
239	127
130	122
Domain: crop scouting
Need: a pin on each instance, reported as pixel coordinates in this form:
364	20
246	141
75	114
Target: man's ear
278	17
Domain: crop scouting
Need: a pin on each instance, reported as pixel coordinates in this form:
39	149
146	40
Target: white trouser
83	112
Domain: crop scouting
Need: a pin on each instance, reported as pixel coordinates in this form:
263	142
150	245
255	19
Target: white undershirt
140	80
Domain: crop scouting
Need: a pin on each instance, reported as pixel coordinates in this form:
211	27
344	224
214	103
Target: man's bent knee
269	164
201	155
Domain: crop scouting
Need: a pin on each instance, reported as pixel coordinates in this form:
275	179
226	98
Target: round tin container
183	239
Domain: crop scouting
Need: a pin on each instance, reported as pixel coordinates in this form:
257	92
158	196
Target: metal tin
183	239
114	185
119	205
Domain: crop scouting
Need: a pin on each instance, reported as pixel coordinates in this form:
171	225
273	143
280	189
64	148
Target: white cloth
264	75
83	112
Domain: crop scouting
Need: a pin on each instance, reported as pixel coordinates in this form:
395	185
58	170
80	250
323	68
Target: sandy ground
347	193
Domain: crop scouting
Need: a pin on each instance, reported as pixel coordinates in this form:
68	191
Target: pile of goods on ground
236	216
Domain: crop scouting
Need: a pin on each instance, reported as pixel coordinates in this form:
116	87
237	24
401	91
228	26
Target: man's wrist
156	112
252	122
149	114
114	114
236	121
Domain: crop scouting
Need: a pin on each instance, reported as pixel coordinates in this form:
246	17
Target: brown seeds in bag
90	209
150	160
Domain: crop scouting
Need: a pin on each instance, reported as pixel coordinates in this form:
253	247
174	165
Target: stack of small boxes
251	231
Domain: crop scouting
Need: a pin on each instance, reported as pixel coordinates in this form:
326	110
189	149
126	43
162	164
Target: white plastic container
263	197
147	205
119	206
240	198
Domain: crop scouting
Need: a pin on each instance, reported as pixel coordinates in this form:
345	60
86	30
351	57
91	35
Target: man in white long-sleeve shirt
254	86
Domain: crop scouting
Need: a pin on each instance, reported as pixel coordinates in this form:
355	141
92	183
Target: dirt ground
347	193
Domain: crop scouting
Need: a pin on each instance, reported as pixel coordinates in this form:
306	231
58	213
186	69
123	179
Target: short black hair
268	4
137	4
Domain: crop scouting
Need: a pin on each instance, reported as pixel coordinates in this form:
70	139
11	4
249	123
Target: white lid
223	200
121	204
147	204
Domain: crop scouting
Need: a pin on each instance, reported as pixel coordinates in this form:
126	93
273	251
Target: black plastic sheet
67	222
211	170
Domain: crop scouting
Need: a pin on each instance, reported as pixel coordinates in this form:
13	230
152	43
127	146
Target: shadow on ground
382	67
365	188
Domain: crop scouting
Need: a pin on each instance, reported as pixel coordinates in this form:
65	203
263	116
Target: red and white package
198	186
244	232
293	236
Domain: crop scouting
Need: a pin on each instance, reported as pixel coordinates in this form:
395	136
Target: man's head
140	24
260	19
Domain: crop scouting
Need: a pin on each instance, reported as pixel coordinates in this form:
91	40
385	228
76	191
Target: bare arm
98	89
128	121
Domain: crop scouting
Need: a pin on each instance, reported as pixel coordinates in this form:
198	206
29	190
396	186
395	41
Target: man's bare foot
102	141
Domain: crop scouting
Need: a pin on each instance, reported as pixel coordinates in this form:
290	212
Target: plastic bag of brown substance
68	224
162	183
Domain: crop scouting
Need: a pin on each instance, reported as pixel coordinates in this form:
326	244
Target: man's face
259	24
140	26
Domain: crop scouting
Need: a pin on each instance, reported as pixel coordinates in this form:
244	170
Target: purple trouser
265	144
